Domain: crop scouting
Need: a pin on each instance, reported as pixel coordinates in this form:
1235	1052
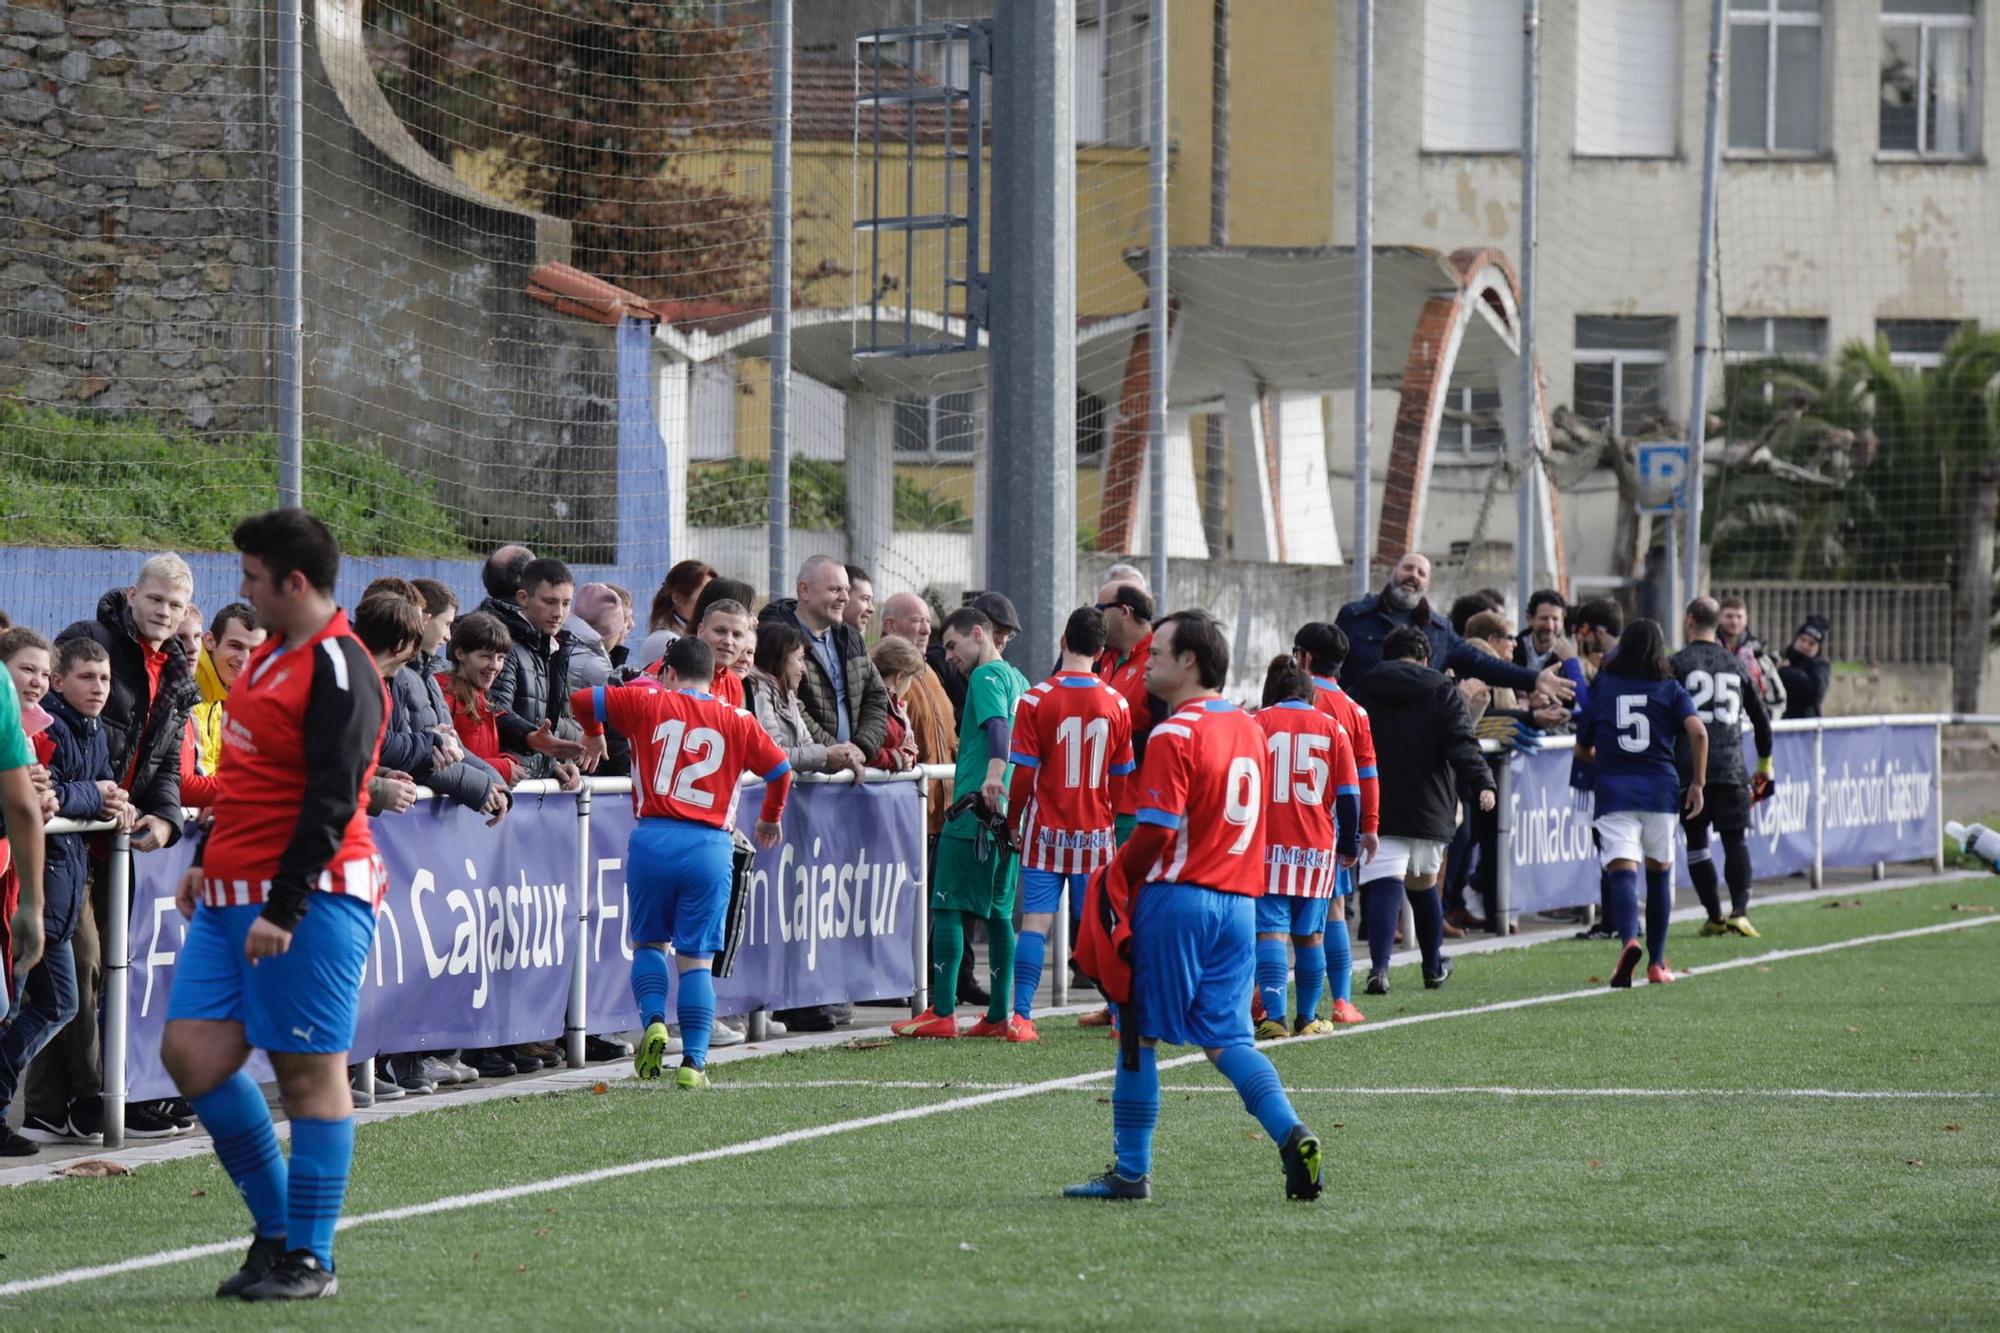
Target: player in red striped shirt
688	751
287	886
1312	782
1197	863
1072	736
1321	647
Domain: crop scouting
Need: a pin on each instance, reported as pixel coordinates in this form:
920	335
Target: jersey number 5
1299	767
1242	798
676	742
1074	738
1635	731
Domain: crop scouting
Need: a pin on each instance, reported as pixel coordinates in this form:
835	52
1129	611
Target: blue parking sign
1663	464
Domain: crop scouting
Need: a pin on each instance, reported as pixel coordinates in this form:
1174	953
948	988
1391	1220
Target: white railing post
1937	792
1059	979
117	959
1502	905
1819	804
920	941
576	1020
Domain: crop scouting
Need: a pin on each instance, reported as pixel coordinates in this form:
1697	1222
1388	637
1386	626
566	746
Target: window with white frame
1473	426
1748	338
1093	427
1628	78
943	426
1916	344
1777	73
1929	68
1088	83
1472	76
1621	369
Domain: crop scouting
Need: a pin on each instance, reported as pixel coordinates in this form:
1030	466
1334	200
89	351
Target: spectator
674	611
501	574
22	810
420	713
231	638
773	690
841	695
1477	840
1537	645
899	664
1736	635
860	599
725	626
1423	738
1807	674
1463	609
597	623
440	609
624	646
190	632
153	692
1124	573
1369	621
996	607
530	695
907	616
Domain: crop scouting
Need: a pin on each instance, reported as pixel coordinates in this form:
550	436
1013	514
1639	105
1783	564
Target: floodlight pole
1156	301
291	245
1711	156
1529	414
780	509
1364	293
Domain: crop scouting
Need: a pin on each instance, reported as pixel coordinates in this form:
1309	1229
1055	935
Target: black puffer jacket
135	722
416	709
1424	748
534	685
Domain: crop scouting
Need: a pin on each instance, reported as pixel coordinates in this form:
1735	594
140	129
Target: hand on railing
846	756
150	833
498	802
568	776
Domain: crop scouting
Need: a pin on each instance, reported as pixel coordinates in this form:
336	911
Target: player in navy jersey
1627	734
1724	695
1195	864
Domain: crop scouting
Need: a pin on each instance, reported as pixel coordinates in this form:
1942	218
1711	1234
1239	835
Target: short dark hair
776	641
723	590
1085	632
438	599
1134	599
386	620
690	659
236	611
965	620
480	632
1734	603
1704	613
502	577
856	573
1200	634
1601	613
1325	643
1285	679
1641	653
1542	597
291	541
403	588
71	652
1470	605
544	569
1406	643
729	606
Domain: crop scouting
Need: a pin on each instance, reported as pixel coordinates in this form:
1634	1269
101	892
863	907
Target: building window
1472	76
1088	83
1747	338
1621	370
1628	81
944	426
1916	344
1927	77
1776	71
1473	426
1093	428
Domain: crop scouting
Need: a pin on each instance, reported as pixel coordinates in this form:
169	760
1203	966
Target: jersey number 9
1243	799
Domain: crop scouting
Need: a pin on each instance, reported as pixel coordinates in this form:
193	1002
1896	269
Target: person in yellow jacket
232	636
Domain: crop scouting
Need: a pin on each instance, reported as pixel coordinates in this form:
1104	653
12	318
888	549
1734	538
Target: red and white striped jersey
1075	732
1204	779
1311	763
1339	705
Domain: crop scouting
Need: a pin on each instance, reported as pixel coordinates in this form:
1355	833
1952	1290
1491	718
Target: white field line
770	1142
1461	1090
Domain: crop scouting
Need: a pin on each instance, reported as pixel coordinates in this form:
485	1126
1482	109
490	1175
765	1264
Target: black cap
999	610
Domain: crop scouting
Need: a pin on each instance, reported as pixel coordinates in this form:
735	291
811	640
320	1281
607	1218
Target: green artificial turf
1728	1208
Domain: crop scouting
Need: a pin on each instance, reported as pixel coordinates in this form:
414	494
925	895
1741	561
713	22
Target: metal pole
1819	805
1031	462
1156	302
576	1020
291	266
1059	960
1364	292
781	294
1711	158
920	937
1531	135
1670	575
117	960
1214	464
1503	846
1937	792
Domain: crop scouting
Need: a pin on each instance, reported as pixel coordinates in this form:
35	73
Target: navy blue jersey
1634	727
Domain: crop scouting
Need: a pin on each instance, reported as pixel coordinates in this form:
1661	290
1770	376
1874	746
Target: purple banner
832	907
1880	788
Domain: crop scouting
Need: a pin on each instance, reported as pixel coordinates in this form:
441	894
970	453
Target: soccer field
1783	1138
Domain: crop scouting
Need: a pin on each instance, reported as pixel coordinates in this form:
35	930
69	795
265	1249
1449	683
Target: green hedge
736	494
84	479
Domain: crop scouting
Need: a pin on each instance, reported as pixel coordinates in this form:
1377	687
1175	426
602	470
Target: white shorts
1400	858
1632	835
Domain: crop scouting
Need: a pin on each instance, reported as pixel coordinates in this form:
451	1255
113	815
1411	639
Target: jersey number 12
676	742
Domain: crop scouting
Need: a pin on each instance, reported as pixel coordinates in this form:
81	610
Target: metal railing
1868	622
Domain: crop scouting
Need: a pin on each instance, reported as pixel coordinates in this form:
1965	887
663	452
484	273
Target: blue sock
1309	969
1427	907
1272	968
1659	906
696	1011
1135	1109
1256	1081
1339	960
1624	885
1112	1005
321	1151
1029	950
649	985
247	1146
1383	901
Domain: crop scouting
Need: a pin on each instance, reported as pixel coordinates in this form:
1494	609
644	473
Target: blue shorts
304	1000
677	883
1343	882
1282	914
1042	890
1194	964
